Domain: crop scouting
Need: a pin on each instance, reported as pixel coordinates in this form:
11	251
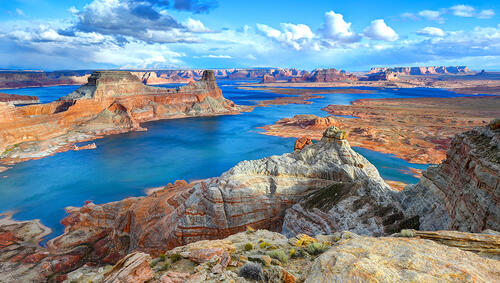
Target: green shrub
293	252
317	248
175	257
407	233
162	257
248	246
264	245
279	255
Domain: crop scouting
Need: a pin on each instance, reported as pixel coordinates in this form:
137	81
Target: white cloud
217	56
431	31
297	36
463	10
379	30
337	29
432	15
195	26
486	14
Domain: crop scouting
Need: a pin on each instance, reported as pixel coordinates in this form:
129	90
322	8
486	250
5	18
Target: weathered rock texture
111	102
254	193
368	259
463	192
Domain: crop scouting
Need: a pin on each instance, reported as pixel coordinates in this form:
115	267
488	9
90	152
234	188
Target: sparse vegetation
162	257
317	248
175	257
407	233
250	230
293	252
251	271
248	247
264	245
279	255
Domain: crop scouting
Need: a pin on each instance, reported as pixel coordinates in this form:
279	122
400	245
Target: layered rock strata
434	70
255	193
463	192
15	99
111	102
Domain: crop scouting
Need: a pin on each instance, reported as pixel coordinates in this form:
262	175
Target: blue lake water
190	149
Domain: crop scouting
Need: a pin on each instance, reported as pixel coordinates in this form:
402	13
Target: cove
190	149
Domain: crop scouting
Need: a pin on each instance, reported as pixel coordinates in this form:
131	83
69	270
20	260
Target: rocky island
312	196
111	102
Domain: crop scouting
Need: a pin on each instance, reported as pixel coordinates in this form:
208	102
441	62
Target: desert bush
317	248
279	255
175	257
264	245
251	271
248	246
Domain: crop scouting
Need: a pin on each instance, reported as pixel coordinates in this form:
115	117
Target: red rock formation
325	76
37	79
268	79
111	102
301	143
18	99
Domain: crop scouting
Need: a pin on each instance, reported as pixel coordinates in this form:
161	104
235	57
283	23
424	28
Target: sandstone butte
417	130
322	189
111	102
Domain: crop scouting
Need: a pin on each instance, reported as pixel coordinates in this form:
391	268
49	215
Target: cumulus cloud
336	30
197	6
379	30
212	56
297	36
196	26
20	12
431	31
432	15
463	10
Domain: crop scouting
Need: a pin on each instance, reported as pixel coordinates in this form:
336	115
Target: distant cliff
435	70
15	99
324	76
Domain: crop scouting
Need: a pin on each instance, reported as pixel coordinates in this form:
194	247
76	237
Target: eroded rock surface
386	259
463	192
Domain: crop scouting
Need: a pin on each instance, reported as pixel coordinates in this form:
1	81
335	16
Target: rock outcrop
463	192
388	259
15	99
255	193
20	79
111	102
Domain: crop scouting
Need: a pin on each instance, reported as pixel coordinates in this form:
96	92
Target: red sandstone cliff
325	76
15	99
435	70
111	102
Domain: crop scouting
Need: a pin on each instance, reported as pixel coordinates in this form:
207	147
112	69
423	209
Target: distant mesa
324	76
434	70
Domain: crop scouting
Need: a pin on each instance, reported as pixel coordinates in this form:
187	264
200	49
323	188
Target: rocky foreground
111	102
417	130
322	189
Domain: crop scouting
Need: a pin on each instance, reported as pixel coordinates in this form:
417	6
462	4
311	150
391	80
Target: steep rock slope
463	192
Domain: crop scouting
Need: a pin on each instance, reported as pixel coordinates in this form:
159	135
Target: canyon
323	188
14	99
111	102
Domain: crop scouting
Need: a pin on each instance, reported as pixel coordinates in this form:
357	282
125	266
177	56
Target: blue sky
352	35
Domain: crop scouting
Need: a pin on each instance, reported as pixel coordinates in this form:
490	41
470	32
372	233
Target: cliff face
463	192
111	102
38	79
325	76
435	70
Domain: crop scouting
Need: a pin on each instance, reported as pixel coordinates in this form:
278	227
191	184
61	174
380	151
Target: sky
166	34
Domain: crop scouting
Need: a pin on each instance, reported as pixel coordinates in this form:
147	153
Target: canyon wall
111	102
324	76
463	192
15	99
